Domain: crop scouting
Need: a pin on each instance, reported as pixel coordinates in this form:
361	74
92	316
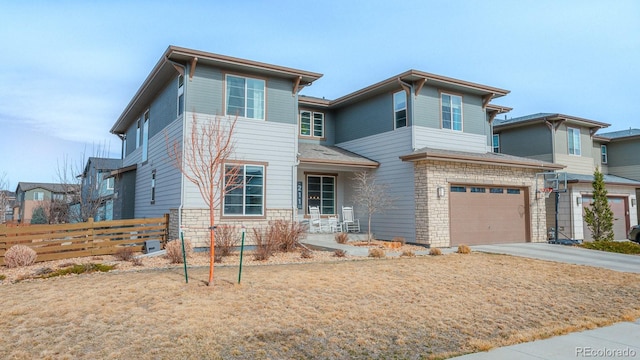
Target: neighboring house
102	185
620	151
7	201
572	141
54	198
428	136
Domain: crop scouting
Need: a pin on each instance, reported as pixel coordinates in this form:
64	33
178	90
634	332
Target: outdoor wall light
579	200
633	202
440	191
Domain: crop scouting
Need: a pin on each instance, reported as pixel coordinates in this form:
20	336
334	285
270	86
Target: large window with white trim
400	109
574	141
321	192
603	154
245	97
246	190
451	111
496	143
145	136
180	94
311	124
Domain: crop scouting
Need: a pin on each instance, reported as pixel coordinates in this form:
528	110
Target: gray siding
282	106
624	153
530	141
427	109
386	149
163	110
449	140
368	117
260	141
168	178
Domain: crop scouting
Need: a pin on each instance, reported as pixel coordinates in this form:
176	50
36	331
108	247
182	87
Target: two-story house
7	200
427	136
570	141
54	198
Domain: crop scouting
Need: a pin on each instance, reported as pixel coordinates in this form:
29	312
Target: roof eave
368	165
474	160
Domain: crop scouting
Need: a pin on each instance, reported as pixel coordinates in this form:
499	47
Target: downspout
296	162
184	129
409	89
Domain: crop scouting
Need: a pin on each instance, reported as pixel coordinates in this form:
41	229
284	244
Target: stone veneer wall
195	224
432	213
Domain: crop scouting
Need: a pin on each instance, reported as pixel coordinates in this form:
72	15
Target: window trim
145	136
38	198
335	192
577	151
138	134
493	143
180	111
244	164
225	98
450	94
312	119
604	154
111	181
396	111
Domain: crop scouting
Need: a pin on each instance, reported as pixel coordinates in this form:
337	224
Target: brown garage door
620	216
488	215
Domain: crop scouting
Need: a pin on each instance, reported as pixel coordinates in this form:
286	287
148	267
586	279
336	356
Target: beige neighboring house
7	200
573	142
30	196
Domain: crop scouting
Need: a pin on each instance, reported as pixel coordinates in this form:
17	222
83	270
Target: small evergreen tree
39	216
598	215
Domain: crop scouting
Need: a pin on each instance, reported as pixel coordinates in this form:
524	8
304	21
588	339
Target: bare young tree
4	198
201	159
372	196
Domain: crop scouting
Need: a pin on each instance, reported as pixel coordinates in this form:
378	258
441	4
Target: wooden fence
64	241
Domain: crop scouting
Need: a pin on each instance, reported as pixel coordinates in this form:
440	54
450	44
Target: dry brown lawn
423	307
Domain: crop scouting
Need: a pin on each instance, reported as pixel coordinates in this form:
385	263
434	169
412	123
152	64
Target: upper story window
58	197
574	141
603	154
145	136
180	94
245	97
153	187
138	135
451	111
246	197
38	195
496	143
311	124
110	183
400	109
124	146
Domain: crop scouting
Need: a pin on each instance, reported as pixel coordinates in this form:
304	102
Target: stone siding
432	212
195	224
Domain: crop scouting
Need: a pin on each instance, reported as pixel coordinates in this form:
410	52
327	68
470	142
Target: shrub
622	247
342	238
339	253
79	269
137	261
400	240
265	244
286	234
124	253
2	277
435	252
227	238
174	250
377	253
19	255
408	253
306	254
463	249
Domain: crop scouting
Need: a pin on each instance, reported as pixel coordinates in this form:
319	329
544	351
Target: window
458	189
496	190
311	124
478	190
245	97
496	143
321	192
513	191
38	195
400	109
603	153
153	187
58	197
124	146
138	135
110	183
180	94
451	112
574	141
246	197
145	136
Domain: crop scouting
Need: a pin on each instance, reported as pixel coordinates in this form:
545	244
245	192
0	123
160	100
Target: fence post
91	234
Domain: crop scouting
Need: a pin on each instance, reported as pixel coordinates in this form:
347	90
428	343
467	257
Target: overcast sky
69	68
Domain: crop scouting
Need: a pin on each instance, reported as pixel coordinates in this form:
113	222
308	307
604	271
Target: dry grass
435	252
422	307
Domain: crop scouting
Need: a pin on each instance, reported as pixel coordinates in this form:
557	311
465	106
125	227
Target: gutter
185	91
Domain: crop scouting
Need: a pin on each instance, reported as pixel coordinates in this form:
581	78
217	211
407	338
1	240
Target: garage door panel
620	223
489	217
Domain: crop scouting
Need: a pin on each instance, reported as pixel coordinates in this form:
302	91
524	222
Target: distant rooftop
608	179
620	134
521	118
547	116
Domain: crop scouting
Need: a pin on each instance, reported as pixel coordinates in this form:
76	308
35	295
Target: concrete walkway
618	341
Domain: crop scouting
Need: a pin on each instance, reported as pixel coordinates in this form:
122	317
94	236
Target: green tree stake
241	252
184	259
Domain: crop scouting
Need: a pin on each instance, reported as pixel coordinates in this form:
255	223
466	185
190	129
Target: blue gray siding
427	110
530	141
386	149
368	117
449	140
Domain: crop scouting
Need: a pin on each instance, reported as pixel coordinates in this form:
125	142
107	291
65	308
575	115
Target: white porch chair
315	223
333	225
349	223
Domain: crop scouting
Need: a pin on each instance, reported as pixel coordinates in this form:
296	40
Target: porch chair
333	225
348	221
315	224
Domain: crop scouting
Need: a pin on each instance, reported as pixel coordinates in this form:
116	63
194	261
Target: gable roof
316	154
174	60
542	117
102	164
489	158
621	134
53	187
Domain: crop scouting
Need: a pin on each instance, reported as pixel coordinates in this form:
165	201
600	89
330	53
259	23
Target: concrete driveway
566	254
